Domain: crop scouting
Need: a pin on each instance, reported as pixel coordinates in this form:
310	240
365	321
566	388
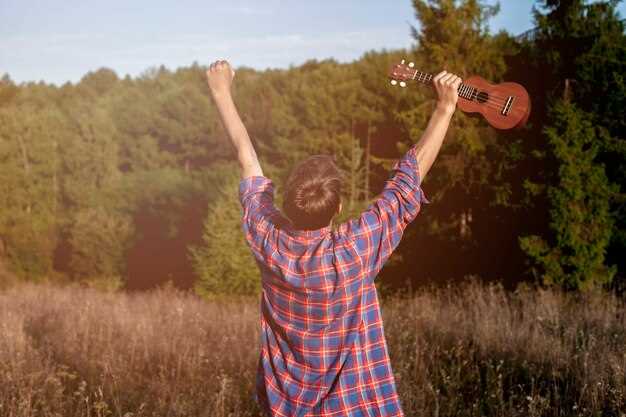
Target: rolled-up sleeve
256	195
379	229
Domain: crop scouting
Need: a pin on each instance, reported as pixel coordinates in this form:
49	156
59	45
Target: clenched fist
447	86
220	77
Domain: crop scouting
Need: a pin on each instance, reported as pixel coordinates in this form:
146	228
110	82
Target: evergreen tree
580	212
455	36
224	263
579	48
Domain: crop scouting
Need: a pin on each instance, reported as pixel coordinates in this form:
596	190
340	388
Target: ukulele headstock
401	73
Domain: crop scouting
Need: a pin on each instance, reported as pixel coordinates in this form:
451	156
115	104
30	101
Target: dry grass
477	350
472	350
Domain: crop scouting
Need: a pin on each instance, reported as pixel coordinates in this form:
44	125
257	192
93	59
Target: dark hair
313	192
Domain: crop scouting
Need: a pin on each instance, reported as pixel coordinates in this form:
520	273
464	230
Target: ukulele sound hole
482	97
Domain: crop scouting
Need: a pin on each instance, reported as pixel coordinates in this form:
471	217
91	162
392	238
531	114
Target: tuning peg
402	84
411	64
394	82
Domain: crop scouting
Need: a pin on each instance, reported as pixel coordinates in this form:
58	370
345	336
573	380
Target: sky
60	41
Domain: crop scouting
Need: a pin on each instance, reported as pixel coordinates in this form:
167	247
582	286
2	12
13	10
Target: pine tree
224	264
579	49
580	212
455	36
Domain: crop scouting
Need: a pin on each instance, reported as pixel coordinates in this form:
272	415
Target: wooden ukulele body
491	102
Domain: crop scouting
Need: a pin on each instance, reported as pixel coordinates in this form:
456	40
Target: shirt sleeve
379	229
256	194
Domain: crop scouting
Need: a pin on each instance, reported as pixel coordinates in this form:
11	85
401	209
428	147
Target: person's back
323	349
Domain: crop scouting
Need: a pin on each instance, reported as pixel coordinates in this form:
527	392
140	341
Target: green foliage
99	240
455	36
29	187
8	90
580	48
162	193
83	166
224	263
580	211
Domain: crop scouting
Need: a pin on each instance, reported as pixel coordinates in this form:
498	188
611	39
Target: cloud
68	56
246	10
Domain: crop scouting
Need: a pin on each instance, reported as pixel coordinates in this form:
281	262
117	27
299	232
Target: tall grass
472	350
477	350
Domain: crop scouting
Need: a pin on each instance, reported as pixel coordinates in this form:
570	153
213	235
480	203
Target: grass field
471	350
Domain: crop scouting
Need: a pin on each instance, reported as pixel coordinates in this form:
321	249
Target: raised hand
447	85
220	77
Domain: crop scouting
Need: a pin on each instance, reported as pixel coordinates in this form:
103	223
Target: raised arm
220	77
429	144
379	229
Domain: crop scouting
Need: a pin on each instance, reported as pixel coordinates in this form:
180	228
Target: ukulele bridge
507	106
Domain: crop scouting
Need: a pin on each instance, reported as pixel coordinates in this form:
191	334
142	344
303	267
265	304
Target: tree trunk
25	162
55	184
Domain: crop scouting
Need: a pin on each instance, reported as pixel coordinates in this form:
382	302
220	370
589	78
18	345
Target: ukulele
504	106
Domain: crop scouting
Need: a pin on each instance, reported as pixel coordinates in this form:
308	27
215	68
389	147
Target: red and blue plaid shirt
323	348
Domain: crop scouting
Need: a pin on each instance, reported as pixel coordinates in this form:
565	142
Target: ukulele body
504	106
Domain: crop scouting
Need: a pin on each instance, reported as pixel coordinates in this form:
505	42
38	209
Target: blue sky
59	41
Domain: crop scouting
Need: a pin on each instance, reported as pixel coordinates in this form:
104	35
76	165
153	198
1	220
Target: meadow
468	350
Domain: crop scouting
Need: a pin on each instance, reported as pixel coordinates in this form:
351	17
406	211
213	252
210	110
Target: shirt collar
310	233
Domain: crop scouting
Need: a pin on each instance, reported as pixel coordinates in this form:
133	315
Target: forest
131	183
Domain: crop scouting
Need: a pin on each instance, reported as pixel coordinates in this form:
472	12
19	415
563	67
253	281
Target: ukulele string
428	78
493	101
496	102
487	103
490	98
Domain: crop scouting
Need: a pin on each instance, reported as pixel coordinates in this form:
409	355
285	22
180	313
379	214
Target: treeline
132	182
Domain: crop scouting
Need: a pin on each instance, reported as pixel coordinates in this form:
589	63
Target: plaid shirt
323	349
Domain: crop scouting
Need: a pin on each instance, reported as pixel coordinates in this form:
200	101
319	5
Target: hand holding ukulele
447	85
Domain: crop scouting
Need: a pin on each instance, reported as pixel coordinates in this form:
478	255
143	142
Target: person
323	349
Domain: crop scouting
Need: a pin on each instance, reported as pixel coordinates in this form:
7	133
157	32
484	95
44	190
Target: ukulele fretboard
465	91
